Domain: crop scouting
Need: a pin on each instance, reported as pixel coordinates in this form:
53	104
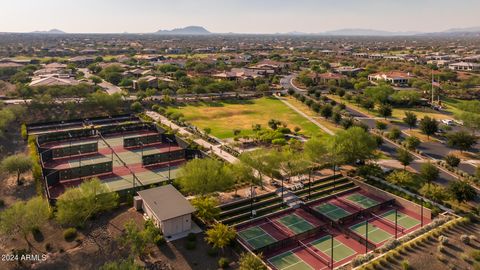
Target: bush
440	248
191	245
48	247
443	239
465	239
475	255
452	160
2	203
361	259
70	234
390	244
380	125
394	134
405	265
223	262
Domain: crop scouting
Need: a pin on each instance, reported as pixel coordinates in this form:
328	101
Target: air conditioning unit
137	203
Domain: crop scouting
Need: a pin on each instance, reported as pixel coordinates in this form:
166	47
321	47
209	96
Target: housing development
187	149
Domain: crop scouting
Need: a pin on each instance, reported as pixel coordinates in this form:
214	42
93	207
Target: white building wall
176	225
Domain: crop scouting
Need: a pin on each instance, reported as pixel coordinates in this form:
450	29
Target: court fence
142	140
55	176
157	158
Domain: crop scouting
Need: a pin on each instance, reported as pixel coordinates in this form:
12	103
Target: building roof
166	202
392	75
53	80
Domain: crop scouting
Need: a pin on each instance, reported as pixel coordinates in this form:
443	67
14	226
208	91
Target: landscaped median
396	251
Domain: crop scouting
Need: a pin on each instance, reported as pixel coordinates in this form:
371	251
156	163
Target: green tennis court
375	234
403	220
288	260
148	177
362	200
340	250
332	211
295	223
256	237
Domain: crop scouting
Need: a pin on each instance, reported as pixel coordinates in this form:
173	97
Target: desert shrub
390	244
223	262
48	247
465	239
441	258
69	234
475	255
443	239
440	248
405	265
361	259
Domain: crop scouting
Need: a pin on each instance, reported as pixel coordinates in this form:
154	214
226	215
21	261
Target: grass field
223	117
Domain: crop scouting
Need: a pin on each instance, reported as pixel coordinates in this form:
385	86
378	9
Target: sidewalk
214	148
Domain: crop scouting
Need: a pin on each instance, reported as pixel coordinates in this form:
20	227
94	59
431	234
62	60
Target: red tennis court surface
121	176
286	241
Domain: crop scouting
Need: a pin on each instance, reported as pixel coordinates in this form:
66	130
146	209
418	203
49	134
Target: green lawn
223	117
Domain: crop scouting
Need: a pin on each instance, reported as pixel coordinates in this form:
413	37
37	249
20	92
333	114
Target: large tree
207	208
429	172
461	140
220	235
204	176
410	119
428	126
404	156
17	164
76	205
354	144
462	191
23	216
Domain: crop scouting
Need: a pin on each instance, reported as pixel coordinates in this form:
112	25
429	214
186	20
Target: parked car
448	122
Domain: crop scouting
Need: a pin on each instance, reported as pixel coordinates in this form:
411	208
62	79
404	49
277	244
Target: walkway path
328	131
214	148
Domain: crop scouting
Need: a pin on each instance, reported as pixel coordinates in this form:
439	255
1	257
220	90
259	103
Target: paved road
435	148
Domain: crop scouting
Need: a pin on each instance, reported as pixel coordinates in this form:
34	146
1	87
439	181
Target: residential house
394	77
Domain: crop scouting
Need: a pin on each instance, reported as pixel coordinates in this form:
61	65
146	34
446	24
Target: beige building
168	209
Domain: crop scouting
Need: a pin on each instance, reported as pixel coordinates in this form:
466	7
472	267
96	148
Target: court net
278	227
388	222
315	254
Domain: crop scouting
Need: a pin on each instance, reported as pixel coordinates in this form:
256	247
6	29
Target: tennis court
332	211
340	250
289	261
295	223
375	233
361	200
256	237
403	220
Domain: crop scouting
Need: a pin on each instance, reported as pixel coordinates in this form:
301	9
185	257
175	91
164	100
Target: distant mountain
463	30
189	30
365	32
51	31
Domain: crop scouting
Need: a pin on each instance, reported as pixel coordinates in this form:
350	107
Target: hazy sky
241	16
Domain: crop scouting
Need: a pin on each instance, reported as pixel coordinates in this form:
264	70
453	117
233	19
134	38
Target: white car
448	122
